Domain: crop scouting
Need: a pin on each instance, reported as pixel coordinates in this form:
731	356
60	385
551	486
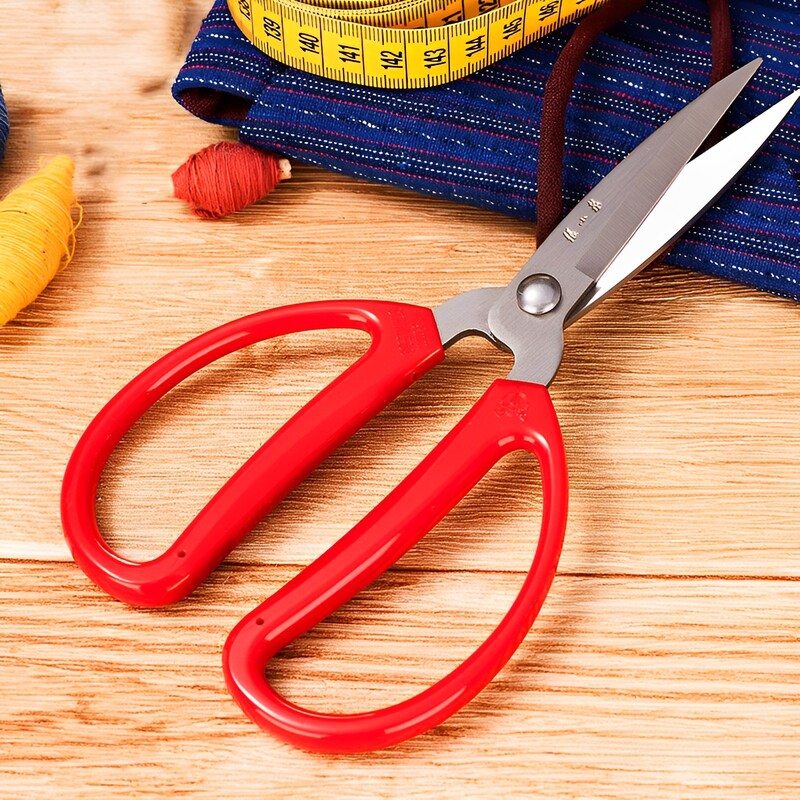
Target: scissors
633	215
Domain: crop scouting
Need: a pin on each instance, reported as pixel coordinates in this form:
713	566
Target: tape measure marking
408	44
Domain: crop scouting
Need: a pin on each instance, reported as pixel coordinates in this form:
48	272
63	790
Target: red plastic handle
510	416
405	345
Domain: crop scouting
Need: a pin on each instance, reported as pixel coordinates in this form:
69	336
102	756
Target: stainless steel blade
699	184
630	196
599	226
534	306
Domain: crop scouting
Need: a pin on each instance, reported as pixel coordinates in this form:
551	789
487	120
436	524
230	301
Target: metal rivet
538	294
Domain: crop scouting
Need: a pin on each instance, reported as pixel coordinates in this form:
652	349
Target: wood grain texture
666	661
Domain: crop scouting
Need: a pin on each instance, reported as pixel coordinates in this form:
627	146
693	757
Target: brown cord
550	201
721	40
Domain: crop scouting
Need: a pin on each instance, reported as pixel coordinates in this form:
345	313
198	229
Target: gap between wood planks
657	576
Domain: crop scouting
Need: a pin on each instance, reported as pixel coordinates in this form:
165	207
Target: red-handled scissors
628	219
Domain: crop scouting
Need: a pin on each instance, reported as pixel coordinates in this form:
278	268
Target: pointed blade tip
780	110
746	71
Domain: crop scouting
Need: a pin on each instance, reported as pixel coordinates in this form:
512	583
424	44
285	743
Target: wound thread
226	177
37	234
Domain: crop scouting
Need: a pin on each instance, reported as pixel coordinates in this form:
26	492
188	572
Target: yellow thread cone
37	235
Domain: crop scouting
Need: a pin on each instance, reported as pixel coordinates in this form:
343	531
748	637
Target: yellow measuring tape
398	44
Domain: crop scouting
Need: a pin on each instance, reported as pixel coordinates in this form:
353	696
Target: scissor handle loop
510	416
405	344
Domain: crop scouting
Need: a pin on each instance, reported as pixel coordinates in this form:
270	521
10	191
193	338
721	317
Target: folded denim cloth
3	126
476	140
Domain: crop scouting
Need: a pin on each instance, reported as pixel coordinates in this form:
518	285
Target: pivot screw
538	294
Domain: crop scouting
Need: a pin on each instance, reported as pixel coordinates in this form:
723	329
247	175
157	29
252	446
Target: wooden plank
625	688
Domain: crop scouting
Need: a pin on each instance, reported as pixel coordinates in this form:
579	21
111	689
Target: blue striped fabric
4	129
475	140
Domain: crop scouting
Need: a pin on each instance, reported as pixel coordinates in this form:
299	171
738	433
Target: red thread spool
226	177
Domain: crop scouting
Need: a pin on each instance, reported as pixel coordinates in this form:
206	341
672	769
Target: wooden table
666	661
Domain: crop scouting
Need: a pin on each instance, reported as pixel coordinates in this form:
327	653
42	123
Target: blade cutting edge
594	232
696	187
